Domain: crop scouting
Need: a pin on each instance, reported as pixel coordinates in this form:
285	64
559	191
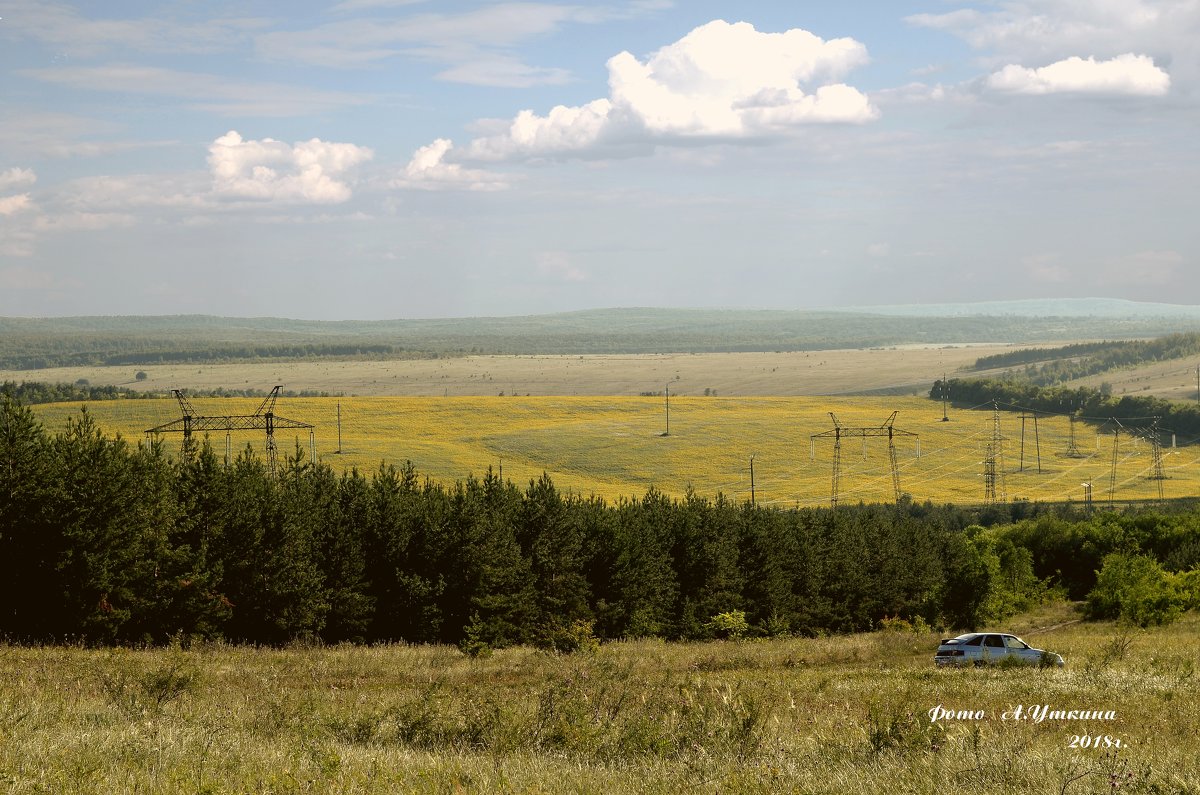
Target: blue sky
400	158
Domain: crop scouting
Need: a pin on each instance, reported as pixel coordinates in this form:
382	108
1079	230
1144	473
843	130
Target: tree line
1093	405
1050	366
34	392
42	354
105	542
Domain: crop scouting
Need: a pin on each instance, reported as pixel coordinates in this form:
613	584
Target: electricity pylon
264	418
839	431
993	463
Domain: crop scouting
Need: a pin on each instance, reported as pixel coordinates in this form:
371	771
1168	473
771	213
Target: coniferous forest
106	542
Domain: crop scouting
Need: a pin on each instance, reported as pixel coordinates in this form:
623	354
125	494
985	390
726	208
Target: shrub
577	637
1135	588
731	625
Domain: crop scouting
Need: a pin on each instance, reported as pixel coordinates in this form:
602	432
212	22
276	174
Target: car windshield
1014	642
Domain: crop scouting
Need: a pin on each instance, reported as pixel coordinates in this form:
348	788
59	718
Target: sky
372	159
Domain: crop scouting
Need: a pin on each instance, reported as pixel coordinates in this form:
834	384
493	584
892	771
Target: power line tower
1156	471
989	476
1072	447
839	431
993	463
263	418
1036	439
1112	478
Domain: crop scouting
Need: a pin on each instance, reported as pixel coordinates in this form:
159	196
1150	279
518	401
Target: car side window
975	641
993	641
1015	643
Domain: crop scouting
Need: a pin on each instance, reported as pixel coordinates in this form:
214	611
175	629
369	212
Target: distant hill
1039	307
29	343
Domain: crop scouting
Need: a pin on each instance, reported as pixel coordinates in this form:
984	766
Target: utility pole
945	397
667	392
339	427
752	480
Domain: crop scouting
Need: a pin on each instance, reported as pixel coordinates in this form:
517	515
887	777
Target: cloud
504	72
1125	74
558	265
468	43
12	179
311	172
11	205
1157	268
721	82
17	178
428	170
1046	268
205	92
84	221
25	278
64	29
129	191
1048	31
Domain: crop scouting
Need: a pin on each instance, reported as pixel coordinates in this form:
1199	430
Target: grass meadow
822	715
614	446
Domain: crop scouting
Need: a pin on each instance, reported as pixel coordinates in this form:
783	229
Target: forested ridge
34	343
105	542
1050	366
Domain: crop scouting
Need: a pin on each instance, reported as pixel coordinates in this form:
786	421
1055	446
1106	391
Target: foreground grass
830	715
613	446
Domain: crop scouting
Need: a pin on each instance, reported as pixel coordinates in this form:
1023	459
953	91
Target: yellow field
614	447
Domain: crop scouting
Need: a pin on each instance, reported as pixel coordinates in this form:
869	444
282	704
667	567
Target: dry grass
912	368
613	446
837	715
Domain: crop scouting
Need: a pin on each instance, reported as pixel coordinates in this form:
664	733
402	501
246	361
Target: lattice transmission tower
840	431
1072	447
264	419
993	463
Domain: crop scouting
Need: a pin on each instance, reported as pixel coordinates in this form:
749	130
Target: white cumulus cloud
1124	74
309	172
428	170
720	82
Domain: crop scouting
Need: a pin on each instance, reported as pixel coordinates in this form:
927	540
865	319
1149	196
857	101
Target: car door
973	650
993	648
1020	649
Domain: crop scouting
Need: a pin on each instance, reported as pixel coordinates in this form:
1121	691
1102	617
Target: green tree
1135	588
29	544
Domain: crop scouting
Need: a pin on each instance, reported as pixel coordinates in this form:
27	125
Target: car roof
969	635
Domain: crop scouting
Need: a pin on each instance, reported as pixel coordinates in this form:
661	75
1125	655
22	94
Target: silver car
982	648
